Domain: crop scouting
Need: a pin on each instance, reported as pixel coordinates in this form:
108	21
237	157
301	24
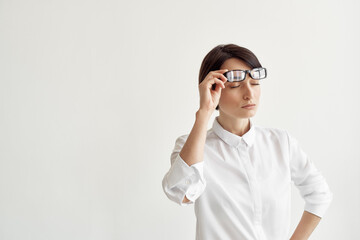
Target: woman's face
235	95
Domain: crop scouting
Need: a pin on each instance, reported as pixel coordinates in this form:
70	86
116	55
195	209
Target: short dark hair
219	54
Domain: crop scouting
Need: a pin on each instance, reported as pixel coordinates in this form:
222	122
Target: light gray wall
94	93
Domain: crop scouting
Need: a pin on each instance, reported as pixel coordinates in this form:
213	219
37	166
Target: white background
93	95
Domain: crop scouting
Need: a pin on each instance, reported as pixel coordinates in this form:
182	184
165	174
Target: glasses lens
258	73
235	76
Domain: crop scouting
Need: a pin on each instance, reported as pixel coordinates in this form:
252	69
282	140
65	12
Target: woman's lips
250	106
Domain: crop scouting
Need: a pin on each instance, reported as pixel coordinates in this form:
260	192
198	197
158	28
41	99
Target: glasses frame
246	72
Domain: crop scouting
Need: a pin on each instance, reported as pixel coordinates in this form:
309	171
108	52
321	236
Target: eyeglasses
238	75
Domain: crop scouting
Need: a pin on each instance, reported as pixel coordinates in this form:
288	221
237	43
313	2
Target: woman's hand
209	98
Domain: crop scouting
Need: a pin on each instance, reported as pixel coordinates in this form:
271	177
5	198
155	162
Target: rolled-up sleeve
309	180
183	180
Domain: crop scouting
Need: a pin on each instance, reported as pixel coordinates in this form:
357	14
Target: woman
239	174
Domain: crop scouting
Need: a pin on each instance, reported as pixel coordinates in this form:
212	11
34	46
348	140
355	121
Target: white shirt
242	189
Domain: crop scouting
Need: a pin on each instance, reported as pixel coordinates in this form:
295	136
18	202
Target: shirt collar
233	139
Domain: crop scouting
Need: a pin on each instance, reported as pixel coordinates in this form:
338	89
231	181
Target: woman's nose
248	91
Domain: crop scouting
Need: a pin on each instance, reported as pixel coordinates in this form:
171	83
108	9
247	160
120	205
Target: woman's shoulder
184	136
181	139
271	131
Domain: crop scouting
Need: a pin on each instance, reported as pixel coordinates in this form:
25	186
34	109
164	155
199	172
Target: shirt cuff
319	209
183	179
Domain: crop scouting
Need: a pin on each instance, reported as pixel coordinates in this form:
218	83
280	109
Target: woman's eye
240	85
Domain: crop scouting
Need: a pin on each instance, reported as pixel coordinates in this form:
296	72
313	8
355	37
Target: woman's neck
237	126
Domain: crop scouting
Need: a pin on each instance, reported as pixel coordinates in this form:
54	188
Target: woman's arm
306	226
187	157
184	182
193	149
313	189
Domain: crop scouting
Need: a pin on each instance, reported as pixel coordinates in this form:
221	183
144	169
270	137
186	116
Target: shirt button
187	181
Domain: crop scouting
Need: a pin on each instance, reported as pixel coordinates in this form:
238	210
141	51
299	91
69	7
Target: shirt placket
254	187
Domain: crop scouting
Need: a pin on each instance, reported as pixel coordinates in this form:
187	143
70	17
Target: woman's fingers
217	81
210	89
218	88
215	77
219	75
